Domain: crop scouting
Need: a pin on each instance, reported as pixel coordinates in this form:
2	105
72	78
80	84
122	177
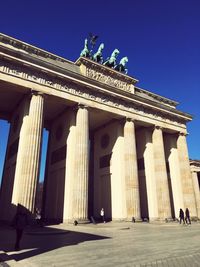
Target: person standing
102	215
187	216
181	216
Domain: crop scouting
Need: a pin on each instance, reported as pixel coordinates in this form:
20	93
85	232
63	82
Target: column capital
182	134
157	127
127	119
34	92
81	105
78	106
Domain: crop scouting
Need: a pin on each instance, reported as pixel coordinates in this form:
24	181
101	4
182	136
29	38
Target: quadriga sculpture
122	65
85	52
98	55
111	62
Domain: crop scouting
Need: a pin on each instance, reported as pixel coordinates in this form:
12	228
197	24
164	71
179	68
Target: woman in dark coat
181	216
19	223
187	216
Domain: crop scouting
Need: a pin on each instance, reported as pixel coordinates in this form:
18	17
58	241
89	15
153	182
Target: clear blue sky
161	39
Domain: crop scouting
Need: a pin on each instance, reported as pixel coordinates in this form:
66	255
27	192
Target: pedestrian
181	216
187	216
38	217
19	223
102	215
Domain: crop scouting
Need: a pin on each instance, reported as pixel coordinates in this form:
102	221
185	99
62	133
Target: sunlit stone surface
111	144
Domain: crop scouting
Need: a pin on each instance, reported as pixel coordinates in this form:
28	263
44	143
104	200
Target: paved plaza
110	244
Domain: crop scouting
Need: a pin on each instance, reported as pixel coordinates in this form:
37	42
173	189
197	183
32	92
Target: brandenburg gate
111	144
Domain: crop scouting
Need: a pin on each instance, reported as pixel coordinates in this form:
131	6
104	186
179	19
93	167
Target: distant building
111	144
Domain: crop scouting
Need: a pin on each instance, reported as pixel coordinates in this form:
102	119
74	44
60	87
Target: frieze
59	84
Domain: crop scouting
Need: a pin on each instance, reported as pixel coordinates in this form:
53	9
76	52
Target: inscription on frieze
105	78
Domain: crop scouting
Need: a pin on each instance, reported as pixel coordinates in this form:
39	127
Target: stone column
186	177
150	174
162	187
28	158
80	193
196	192
175	176
113	180
131	172
70	170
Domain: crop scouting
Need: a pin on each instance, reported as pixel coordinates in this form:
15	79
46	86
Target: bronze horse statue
122	65
111	62
85	52
98	55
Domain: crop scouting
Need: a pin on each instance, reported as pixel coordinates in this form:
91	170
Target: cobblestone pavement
110	244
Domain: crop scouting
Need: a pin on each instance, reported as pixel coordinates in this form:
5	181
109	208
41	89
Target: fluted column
80	195
186	177
196	192
162	187
175	176
150	175
131	172
70	170
28	158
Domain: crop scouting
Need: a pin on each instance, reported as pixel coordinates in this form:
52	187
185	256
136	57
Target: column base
133	219
77	221
157	219
118	220
195	219
81	221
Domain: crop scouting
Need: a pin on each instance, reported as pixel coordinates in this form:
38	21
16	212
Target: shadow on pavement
36	241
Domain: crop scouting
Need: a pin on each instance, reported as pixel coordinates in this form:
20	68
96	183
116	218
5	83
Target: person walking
19	223
187	216
102	215
181	216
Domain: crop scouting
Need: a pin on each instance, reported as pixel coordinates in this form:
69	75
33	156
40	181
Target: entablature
48	78
154	97
195	165
111	88
84	68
